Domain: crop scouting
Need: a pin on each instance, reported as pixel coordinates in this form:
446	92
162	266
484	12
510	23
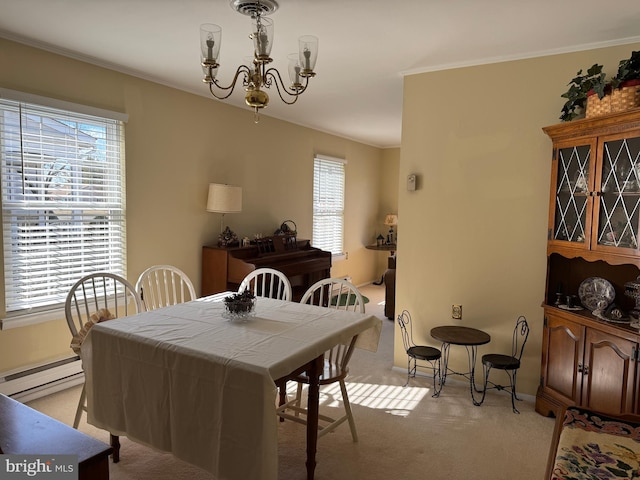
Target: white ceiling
366	46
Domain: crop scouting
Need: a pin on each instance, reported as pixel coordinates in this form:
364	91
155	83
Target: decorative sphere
256	98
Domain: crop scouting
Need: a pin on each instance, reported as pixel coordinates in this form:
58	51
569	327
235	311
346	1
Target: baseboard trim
39	380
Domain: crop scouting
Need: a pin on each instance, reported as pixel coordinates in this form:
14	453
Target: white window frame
329	181
63	201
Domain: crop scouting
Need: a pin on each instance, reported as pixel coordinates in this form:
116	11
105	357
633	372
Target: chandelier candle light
256	76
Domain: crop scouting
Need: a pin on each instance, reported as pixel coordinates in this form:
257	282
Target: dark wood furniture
313	371
594	217
390	288
388	278
25	431
224	268
386	247
469	337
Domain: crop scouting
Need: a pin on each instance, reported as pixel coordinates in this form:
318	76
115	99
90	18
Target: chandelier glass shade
256	75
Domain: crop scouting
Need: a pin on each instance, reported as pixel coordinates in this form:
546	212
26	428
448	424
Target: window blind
328	204
63	201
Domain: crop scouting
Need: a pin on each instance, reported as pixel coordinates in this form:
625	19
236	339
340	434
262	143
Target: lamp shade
391	219
224	198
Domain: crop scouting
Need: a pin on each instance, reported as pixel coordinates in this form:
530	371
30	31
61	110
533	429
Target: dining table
189	380
468	337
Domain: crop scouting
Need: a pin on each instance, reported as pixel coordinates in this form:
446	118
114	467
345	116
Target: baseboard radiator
39	380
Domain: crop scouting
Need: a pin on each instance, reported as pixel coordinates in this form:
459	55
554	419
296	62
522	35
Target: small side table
388	247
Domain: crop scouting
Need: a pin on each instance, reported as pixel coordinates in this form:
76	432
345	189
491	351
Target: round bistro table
468	337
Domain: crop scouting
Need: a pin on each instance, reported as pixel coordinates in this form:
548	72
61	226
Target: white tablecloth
185	380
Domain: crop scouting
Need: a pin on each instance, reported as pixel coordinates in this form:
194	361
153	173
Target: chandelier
255	73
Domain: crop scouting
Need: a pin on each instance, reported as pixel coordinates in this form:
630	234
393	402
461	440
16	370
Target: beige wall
387	203
176	144
475	232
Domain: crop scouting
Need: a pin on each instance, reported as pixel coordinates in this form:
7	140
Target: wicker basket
619	100
597	107
626	98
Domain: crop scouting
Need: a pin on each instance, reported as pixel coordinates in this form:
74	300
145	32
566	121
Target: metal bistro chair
328	293
419	353
94	298
164	285
508	363
267	282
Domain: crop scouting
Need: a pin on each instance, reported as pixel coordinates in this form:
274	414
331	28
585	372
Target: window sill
339	257
33	318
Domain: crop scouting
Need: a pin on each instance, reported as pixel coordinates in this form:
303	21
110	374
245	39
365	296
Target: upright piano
224	268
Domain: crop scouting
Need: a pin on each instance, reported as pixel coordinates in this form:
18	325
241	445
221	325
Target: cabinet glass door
619	200
572	193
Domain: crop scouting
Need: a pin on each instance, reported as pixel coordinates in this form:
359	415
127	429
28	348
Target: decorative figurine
228	239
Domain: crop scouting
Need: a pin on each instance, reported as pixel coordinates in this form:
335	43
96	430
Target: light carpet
404	433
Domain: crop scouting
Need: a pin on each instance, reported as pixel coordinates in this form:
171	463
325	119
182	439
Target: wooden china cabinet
594	221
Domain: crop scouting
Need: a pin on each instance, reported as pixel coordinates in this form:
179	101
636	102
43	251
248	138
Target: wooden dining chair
164	285
338	294
96	298
267	282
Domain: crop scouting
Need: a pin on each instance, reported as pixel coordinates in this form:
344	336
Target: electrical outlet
456	312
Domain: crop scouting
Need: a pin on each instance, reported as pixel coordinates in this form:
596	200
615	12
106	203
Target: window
328	204
63	201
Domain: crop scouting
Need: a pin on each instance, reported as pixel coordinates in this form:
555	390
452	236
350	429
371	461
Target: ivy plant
628	69
579	88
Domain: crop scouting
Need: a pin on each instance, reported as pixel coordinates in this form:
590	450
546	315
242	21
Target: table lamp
224	199
391	220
